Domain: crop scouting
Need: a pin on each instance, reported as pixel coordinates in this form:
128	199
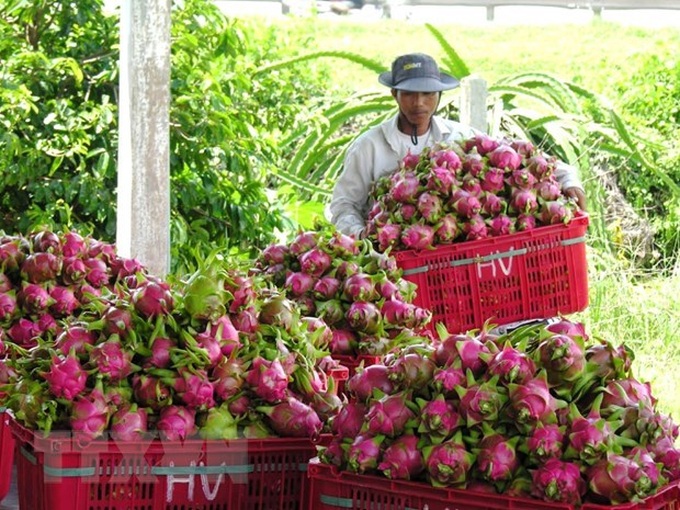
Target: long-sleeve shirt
379	151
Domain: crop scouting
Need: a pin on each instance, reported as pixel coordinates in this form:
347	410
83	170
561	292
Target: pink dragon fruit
548	190
589	437
430	207
511	365
447	229
303	241
73	271
150	391
418	236
343	246
610	362
293	418
525	222
497	459
278	311
522	178
364	452
64	302
405	187
194	389
8	307
90	415
129	423
523	201
24	332
523	147
268	379
41	267
449	463
480	402
315	262
410	161
628	392
545	441
97	272
475	228
364	316
152	299
402	459
74	336
554	212
560	481
327	287
465	203
447	158
274	254
472	185
411	370
34	298
493	181
445	380
505	157
439	418
483	143
176	423
349	420
531	402
368	378
299	283
359	287
112	360
471	354
617	479
390	415
563	358
501	225
440	180
473	163
66	377
388	235
73	245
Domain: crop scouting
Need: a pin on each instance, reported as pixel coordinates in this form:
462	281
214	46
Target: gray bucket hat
417	72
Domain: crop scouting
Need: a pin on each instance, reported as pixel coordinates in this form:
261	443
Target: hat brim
445	82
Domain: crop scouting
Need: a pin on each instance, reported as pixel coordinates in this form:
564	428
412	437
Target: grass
642	311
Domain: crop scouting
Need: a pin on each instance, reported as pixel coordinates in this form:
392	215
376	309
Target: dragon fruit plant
540	412
355	290
94	343
461	192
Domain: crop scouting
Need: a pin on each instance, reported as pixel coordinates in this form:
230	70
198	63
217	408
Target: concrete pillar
473	109
143	209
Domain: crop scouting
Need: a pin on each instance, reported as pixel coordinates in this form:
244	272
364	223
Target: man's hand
578	195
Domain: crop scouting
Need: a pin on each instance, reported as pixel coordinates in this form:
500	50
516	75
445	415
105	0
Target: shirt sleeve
349	204
567	176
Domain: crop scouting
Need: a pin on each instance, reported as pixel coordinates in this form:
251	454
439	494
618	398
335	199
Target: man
416	85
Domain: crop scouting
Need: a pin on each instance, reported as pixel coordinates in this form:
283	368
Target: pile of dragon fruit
540	412
356	294
478	188
91	342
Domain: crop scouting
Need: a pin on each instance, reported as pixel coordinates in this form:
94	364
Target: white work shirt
379	151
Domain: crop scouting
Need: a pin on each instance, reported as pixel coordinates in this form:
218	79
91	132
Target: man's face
417	107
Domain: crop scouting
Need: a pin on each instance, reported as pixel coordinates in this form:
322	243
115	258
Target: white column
143	220
473	109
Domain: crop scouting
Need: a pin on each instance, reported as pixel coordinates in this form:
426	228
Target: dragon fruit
430	207
412	370
112	360
64	301
176	423
446	379
440	180
359	287
556	480
293	418
66	377
618	479
9	307
447	229
589	437
41	267
349	420
480	402
268	379
364	453
555	212
405	187
129	423
388	235
364	316
299	283
501	225
497	459
315	262
523	201
545	441
152	299
402	459
274	254
449	463
34	299
90	415
505	157
418	236
531	402
368	378
493	181
511	365
390	415
439	418
465	204
610	362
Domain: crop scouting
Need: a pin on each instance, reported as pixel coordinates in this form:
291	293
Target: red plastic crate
536	274
330	489
59	473
6	453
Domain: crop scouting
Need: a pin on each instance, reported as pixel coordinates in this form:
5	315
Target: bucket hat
417	72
